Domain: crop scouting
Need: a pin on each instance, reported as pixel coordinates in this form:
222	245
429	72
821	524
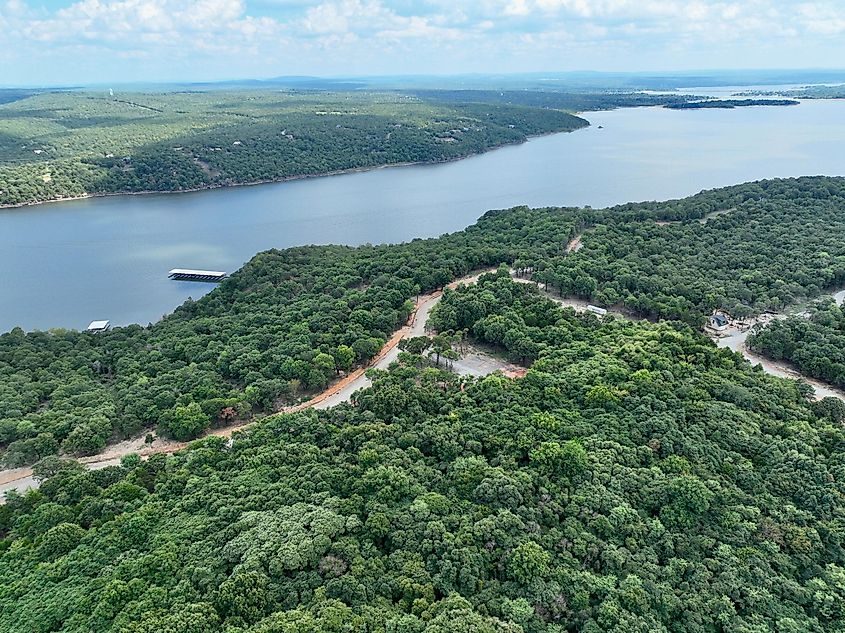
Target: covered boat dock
98	326
188	274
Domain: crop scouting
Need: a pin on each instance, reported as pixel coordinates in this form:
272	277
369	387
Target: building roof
719	319
98	325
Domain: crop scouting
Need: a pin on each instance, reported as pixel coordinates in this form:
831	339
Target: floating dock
188	274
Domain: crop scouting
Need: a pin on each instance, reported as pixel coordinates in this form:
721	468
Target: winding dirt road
734	341
341	391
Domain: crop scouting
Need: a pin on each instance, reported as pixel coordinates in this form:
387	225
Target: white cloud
517	7
822	18
373	18
248	37
132	24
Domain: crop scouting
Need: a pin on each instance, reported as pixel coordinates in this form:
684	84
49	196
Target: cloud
134	22
822	19
373	18
218	38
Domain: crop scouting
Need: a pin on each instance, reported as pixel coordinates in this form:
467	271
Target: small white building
596	310
719	322
98	326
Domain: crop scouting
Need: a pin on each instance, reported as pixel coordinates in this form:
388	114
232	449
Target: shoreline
283	179
22	477
341	389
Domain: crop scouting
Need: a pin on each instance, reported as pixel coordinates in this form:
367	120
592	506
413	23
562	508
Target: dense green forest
832	91
61	144
290	321
816	346
743	249
281	327
570	101
637	480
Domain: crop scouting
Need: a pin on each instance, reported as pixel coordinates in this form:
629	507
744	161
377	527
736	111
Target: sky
49	42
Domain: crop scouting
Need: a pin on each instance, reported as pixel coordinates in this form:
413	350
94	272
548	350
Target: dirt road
735	341
341	391
22	478
575	244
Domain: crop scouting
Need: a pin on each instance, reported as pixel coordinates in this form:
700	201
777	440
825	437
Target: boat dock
187	274
98	326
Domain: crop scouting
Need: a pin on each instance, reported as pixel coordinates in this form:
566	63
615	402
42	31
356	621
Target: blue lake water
66	264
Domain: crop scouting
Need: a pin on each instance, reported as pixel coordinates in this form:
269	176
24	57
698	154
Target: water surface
66	264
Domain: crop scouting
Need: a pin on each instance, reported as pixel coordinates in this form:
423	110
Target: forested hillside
571	101
816	346
730	103
743	249
62	144
835	90
280	328
636	480
291	321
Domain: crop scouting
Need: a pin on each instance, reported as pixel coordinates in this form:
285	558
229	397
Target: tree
366	348
184	422
322	370
528	561
53	465
441	347
344	357
60	540
415	345
832	408
568	460
243	595
84	440
688	499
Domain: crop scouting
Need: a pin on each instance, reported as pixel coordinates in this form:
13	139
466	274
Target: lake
66	264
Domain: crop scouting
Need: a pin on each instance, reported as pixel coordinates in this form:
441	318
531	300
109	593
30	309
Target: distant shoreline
336	172
730	104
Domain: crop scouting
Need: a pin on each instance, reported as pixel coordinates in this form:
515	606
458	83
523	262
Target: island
729	103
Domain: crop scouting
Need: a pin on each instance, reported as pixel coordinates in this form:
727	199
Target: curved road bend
341	391
22	478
